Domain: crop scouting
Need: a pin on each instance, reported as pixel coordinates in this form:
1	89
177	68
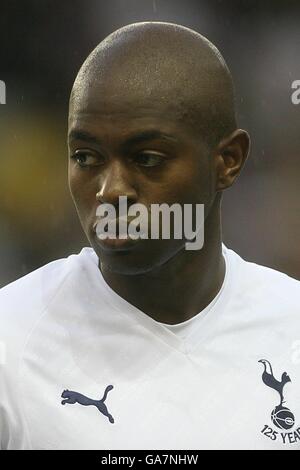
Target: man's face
142	150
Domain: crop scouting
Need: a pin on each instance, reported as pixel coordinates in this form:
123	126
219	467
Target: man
144	344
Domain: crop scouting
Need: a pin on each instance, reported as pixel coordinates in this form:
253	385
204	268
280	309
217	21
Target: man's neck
180	288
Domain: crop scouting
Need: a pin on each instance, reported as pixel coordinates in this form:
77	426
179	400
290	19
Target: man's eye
85	159
149	159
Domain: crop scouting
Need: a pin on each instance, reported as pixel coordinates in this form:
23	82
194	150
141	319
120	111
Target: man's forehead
126	93
100	100
127	113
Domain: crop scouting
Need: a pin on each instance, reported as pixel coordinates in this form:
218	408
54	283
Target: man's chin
139	257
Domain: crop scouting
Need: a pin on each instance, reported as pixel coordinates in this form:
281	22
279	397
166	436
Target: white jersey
81	368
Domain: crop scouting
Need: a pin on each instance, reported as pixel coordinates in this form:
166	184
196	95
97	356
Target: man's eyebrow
135	139
147	136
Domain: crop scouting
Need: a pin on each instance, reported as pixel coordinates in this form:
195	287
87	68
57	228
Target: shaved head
164	66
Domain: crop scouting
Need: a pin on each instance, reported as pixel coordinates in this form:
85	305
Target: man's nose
116	181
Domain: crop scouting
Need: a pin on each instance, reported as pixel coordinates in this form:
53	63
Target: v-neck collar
137	316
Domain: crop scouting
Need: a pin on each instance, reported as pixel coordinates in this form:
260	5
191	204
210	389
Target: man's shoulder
263	283
34	286
24	300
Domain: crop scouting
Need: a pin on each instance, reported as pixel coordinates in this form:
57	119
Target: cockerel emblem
281	416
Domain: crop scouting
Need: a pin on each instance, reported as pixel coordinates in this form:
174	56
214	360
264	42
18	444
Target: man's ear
230	156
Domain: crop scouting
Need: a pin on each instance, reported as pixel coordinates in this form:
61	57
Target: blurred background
43	44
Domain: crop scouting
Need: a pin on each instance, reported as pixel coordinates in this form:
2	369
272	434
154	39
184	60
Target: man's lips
112	240
112	229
